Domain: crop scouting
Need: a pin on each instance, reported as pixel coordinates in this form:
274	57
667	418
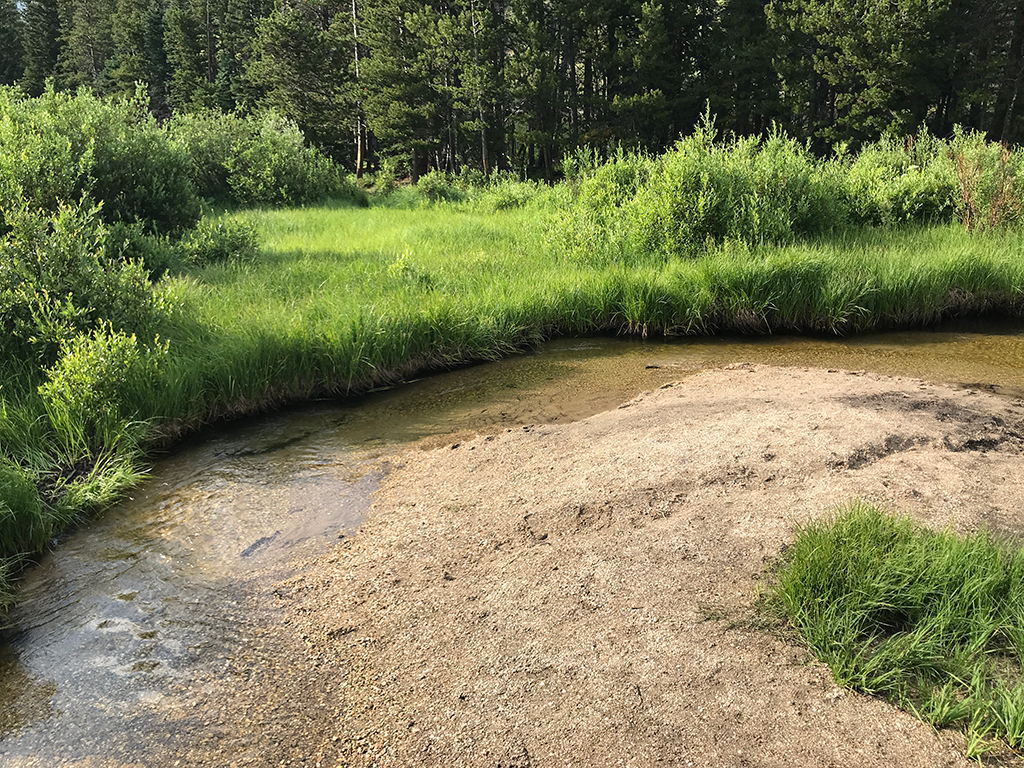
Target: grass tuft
931	621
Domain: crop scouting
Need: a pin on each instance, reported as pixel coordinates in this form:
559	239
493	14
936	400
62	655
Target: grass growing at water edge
933	622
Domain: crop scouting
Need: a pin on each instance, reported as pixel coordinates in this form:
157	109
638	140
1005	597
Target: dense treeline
520	84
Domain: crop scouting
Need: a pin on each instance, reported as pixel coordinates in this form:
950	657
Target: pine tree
86	45
11	52
304	63
190	46
41	44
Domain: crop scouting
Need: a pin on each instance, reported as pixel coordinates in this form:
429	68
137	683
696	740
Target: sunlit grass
933	622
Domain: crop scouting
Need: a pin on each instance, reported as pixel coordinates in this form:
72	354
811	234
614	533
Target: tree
41	44
190	46
11	53
304	59
86	44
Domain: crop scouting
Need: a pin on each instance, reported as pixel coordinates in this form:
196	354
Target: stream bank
601	609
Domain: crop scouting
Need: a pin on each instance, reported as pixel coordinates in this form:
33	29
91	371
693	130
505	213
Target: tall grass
933	622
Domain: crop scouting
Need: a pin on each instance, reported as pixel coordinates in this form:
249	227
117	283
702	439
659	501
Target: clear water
125	617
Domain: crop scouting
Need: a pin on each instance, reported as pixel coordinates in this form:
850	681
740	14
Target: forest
520	85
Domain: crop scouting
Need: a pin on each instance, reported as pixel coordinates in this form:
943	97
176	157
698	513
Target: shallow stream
116	626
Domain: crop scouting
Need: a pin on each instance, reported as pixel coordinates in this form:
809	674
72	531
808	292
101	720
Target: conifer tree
41	44
11	53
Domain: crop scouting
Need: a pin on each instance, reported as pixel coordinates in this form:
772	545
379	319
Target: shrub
139	174
989	185
703	191
56	281
208	138
900	181
130	243
60	147
89	392
744	189
260	159
212	242
437	187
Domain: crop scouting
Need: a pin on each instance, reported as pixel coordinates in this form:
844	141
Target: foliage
159	254
930	621
703	192
218	241
257	160
437	187
991	190
62	147
89	391
56	281
895	181
522	85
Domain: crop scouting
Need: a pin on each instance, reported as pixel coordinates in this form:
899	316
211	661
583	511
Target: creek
119	625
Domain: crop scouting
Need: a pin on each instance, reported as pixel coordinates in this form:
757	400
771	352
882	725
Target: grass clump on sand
933	622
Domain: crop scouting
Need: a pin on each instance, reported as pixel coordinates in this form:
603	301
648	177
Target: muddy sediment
586	594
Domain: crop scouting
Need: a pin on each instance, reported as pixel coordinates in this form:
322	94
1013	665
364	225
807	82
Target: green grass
345	300
933	622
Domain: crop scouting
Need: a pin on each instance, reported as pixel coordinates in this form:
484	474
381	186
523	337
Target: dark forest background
520	84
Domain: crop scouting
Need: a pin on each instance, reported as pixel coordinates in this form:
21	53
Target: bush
57	281
90	390
990	190
437	187
896	181
220	241
62	147
702	192
258	160
158	254
140	176
743	189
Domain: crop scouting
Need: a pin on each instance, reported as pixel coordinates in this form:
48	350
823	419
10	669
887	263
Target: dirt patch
584	594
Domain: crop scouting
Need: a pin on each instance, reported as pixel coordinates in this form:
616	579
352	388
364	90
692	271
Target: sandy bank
584	594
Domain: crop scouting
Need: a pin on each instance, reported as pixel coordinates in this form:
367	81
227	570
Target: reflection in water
117	624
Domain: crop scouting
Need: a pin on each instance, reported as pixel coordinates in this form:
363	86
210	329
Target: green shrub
990	187
56	281
90	391
212	242
506	192
744	189
139	174
159	254
702	191
60	147
259	159
208	137
437	187
893	182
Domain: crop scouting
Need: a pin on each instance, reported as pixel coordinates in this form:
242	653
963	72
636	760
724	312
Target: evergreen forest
520	85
